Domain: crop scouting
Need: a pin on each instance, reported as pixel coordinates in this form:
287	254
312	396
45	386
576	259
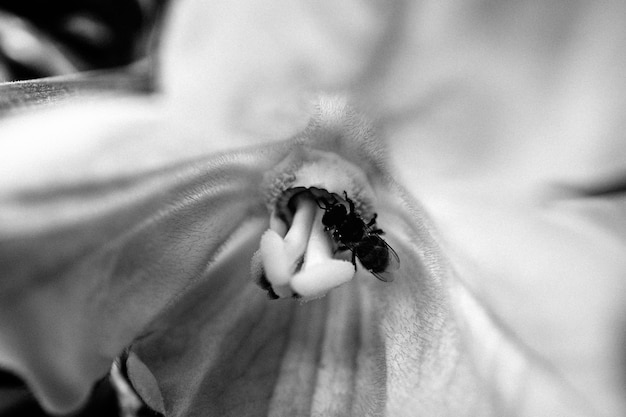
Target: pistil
282	255
320	272
299	262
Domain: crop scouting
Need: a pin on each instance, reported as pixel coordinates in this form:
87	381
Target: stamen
320	272
277	225
280	256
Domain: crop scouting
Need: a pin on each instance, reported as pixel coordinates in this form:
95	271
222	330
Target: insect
351	232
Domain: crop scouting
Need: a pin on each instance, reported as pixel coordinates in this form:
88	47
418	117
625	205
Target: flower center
311	226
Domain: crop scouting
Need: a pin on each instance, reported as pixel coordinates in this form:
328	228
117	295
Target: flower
123	238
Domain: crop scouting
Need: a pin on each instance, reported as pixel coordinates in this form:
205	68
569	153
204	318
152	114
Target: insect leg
324	201
341	249
373	221
350	202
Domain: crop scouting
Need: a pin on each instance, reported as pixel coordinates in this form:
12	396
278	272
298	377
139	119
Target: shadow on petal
225	349
75	293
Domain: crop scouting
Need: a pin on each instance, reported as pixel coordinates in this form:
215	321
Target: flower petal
446	353
254	64
553	270
244	355
93	248
495	116
513	92
423	343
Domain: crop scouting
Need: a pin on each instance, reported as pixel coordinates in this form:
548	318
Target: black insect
351	232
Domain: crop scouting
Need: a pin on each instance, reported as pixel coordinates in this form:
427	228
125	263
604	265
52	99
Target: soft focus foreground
128	221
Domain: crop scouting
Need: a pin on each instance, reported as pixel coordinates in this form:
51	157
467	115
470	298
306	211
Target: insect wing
393	261
384	276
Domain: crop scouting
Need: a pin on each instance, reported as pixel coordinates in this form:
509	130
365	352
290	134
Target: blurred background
83	43
40	38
